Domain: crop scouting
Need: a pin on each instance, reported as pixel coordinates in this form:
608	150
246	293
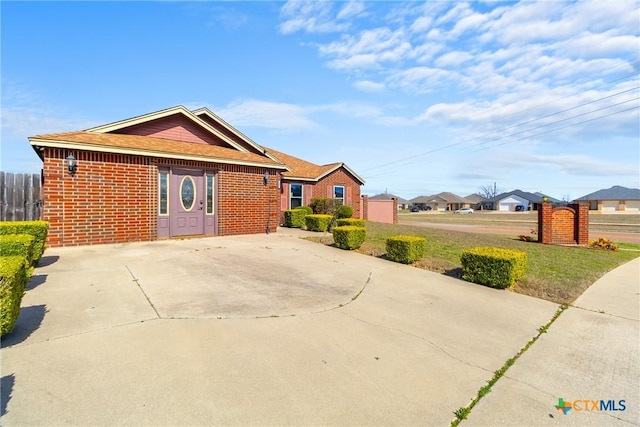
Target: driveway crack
430	343
137	282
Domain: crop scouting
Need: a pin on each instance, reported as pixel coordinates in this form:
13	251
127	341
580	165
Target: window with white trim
338	193
295	195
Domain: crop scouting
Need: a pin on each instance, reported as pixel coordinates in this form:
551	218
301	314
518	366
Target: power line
533	136
529	121
498	131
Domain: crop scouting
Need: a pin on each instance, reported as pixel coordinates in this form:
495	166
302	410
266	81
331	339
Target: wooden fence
20	197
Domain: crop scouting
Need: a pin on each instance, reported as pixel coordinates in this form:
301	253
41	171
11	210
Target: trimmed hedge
18	245
294	218
323	205
317	222
349	237
13	280
37	229
406	249
350	221
307	209
344	211
495	267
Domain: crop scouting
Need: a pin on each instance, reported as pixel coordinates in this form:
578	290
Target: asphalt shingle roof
616	192
153	146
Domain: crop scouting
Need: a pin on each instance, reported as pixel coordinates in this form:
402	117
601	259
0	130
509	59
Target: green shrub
37	229
324	206
349	237
344	211
19	245
406	249
13	280
294	218
307	209
495	267
317	222
350	221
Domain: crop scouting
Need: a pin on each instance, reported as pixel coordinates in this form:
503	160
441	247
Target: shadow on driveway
29	320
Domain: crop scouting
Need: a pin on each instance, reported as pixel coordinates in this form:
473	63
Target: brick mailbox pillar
563	225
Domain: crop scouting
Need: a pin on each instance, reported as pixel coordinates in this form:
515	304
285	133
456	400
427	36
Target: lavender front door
187	205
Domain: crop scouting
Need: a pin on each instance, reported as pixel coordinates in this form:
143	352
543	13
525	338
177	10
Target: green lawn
555	273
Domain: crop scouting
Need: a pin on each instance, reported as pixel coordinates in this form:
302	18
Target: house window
209	194
295	195
338	193
163	199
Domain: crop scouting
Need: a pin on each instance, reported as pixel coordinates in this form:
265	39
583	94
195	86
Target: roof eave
37	142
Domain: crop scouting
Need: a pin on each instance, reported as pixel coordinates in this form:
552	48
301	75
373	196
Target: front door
187	203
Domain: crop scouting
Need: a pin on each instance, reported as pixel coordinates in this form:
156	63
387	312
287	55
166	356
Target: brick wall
564	225
324	188
107	200
112	198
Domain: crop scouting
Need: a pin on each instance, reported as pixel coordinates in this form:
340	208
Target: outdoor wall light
545	199
265	178
71	164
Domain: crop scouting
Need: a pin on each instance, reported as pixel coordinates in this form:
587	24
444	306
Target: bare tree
489	191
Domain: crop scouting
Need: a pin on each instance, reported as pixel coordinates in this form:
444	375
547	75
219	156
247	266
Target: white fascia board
147	153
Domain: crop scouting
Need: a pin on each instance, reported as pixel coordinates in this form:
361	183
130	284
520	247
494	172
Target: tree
489	191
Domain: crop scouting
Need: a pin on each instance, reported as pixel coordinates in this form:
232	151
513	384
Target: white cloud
351	9
273	115
369	86
318	16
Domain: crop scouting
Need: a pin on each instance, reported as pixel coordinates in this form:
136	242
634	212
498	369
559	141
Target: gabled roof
388	196
474	198
206	112
616	192
523	194
443	197
150	146
122	124
302	170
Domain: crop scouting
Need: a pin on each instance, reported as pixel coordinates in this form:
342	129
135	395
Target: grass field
555	273
597	222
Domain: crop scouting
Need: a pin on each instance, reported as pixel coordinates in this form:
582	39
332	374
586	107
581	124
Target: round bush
349	237
307	209
344	211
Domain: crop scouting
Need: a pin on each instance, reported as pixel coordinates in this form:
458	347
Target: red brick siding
112	198
175	127
245	204
324	188
108	199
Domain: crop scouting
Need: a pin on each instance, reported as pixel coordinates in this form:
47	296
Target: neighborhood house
172	173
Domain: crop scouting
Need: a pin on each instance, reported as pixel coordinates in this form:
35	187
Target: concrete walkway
109	336
591	352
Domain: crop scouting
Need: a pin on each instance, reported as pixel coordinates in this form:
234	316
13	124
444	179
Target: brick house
305	181
169	173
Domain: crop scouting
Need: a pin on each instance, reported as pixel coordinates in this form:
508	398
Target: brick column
582	223
395	210
365	207
545	233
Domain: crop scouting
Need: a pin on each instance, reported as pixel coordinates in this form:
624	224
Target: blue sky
417	98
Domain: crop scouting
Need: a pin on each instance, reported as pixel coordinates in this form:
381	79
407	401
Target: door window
163	202
187	193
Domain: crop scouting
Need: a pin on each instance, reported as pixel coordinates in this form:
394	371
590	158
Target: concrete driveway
252	330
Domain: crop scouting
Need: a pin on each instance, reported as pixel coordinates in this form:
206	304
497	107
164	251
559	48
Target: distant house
305	181
516	200
402	203
614	199
440	202
475	200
